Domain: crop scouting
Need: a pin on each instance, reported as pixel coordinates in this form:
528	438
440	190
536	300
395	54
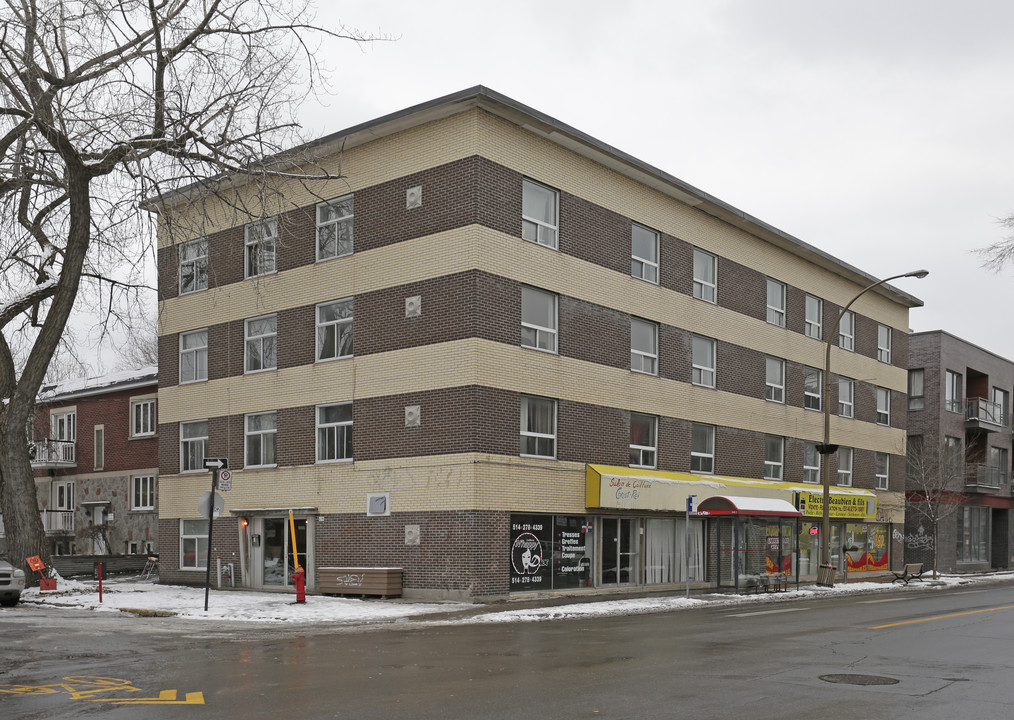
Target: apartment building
503	356
959	442
95	455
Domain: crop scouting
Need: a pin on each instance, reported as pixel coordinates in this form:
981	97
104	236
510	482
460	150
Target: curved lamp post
826	576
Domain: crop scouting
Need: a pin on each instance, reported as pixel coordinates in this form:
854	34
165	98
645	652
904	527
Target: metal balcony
985	479
58	522
54	454
985	415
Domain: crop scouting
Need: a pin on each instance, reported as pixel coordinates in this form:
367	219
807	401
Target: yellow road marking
85	687
165	697
941	617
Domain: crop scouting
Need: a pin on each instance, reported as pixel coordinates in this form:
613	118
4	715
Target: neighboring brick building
555	345
959	436
95	455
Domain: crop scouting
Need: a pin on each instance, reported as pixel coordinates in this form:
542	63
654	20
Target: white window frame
882	474
193	254
811	473
883	406
194	357
884	341
774	390
704	288
703	368
143	417
261	343
536	336
341	329
534	436
644	268
258	439
776	313
847	331
63	425
644	455
702	460
814	317
845	456
191	440
99	447
337	217
774	467
846	397
337	434
190	536
260	255
813	400
644	359
142	492
541	231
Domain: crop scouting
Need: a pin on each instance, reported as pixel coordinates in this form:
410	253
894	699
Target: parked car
12	582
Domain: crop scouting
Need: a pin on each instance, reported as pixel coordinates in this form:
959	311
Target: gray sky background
880	132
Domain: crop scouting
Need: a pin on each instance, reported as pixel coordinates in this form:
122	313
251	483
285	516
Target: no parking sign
225	480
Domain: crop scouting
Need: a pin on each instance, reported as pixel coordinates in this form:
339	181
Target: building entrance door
276	550
619	551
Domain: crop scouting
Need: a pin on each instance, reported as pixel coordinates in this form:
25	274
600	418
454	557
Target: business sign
531	538
811	504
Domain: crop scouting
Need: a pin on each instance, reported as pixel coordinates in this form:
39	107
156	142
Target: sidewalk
143	597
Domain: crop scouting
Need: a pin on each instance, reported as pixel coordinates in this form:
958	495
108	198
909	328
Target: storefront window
973	534
550	552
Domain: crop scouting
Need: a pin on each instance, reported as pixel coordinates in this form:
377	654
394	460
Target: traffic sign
205	507
216	463
225	480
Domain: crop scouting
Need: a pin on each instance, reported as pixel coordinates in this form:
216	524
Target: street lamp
825	575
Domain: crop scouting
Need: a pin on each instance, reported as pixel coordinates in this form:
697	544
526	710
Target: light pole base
825	576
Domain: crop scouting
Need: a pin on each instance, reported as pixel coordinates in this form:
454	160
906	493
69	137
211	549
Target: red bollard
299	578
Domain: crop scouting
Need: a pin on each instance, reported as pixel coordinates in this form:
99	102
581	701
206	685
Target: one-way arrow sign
216	463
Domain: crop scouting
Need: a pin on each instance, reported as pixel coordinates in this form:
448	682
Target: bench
767	582
911	571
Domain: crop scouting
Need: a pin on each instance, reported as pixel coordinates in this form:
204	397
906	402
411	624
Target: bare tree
104	103
140	348
1001	253
934	484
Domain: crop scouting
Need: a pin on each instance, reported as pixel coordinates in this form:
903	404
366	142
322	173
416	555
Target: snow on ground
149	598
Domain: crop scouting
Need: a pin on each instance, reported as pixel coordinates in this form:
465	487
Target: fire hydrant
299	579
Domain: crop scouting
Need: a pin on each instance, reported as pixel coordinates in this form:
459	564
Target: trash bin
825	575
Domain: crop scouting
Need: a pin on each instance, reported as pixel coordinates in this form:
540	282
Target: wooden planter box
385	582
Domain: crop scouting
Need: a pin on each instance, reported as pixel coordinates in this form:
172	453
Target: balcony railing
984	414
54	454
58	522
986	477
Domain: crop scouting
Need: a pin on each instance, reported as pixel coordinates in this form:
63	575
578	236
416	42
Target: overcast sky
880	132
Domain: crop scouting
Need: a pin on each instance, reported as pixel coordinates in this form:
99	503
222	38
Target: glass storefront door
276	550
619	551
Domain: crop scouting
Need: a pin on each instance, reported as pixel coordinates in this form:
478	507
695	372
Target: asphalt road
925	654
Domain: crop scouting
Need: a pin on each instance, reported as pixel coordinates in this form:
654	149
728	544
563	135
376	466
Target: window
845	466
814	317
953	392
334	432
999	464
702	448
100	447
142	418
776	303
261	248
973	534
882	470
643	346
193	445
1001	400
193	266
703	361
193	356
334	329
334	228
539	213
261	343
883	343
705	276
883	406
952	457
775	382
538	319
812	381
142	492
846	397
538	427
643	440
644	253
847	331
916	389
63	426
811	463
193	544
261	439
774	457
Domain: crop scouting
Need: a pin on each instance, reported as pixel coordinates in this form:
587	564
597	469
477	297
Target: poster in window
531	542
